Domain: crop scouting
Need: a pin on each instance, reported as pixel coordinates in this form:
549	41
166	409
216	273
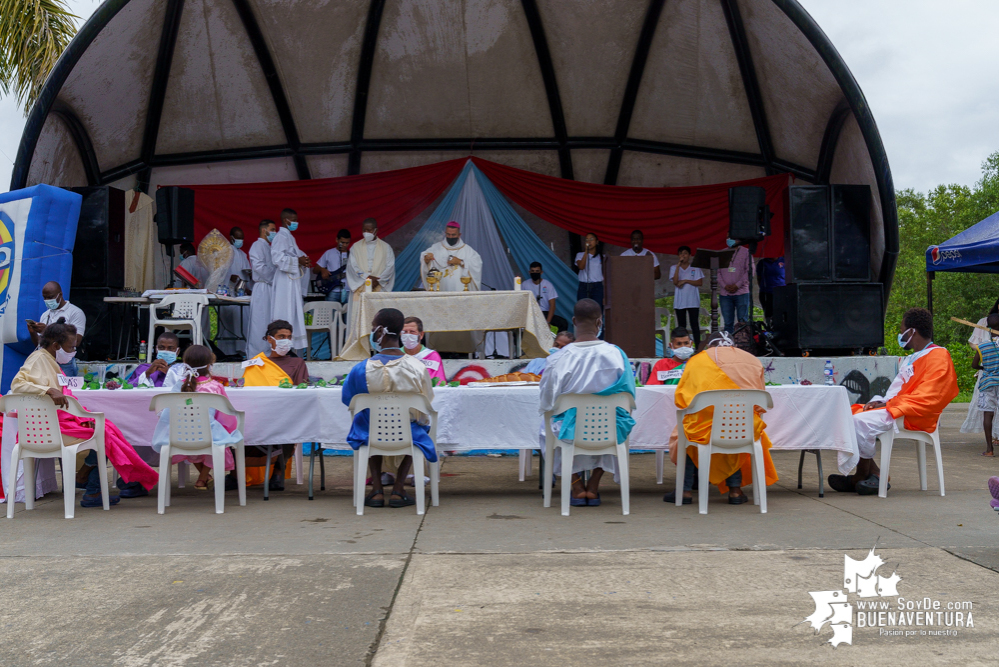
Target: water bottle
828	372
142	349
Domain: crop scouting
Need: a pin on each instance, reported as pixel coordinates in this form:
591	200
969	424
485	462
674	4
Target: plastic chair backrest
596	417
389	417
185	306
37	421
732	420
190	417
322	312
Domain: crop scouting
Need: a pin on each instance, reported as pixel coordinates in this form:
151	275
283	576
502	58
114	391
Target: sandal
577	502
371	501
738	500
671	498
593	502
401	501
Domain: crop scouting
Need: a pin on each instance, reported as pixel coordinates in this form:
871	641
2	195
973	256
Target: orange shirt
925	394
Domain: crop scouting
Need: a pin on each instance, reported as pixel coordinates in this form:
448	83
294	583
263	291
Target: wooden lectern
713	260
630	293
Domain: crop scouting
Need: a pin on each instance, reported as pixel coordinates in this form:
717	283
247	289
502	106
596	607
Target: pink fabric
229	423
454	224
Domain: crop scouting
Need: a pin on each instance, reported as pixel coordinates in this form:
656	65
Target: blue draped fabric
407	264
625	422
526	247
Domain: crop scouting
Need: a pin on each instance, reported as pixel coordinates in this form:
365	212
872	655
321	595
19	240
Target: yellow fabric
268	375
705	372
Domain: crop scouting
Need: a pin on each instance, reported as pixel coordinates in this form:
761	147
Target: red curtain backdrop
694	216
324	205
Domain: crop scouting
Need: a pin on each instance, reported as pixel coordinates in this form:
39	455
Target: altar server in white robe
232	322
457	265
189	262
586	366
261	301
290	264
369	258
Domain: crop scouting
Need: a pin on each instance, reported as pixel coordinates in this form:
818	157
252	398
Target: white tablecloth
803	417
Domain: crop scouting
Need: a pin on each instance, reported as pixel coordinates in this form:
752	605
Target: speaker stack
828	303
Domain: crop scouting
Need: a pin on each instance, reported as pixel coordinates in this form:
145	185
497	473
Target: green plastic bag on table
285	384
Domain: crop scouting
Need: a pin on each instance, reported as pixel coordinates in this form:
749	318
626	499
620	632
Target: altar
507	310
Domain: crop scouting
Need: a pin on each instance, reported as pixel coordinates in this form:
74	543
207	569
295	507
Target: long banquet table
803	417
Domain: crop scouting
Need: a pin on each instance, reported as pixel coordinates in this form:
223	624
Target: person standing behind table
638	249
332	267
231	319
290	265
769	274
261	301
590	266
369	258
58	308
687	280
453	259
545	294
189	262
733	282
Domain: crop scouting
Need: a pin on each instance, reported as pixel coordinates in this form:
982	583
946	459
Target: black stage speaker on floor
175	215
828	234
748	213
831	316
99	252
107	331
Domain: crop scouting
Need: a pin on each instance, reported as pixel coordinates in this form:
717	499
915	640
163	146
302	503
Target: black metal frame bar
85	147
371	27
641	57
830	138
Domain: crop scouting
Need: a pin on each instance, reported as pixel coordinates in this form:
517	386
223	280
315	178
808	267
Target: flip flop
593	502
869	486
369	500
577	502
401	501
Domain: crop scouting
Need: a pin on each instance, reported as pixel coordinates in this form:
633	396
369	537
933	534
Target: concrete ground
492	578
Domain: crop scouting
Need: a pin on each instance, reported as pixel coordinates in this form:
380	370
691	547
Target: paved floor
492	578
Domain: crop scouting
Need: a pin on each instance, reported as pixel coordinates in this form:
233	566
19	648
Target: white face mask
369	237
683	353
410	341
64	357
282	347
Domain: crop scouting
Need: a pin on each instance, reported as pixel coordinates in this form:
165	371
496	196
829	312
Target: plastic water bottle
828	372
142	349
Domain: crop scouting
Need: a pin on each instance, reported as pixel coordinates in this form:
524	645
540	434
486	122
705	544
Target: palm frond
33	34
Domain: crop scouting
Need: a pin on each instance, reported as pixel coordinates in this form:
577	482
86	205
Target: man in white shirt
638	249
290	265
687	280
332	266
545	294
57	307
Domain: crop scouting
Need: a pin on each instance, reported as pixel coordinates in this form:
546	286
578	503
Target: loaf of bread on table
513	377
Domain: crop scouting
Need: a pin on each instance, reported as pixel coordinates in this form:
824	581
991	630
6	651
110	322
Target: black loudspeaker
748	213
99	251
832	316
108	329
828	235
175	215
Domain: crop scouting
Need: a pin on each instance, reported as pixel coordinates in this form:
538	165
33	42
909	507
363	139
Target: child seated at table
670	370
199	379
166	370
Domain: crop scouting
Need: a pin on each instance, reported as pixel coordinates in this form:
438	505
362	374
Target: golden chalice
466	280
433	282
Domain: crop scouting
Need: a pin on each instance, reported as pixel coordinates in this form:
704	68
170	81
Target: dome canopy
626	92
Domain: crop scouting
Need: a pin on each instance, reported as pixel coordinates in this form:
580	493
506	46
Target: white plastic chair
596	434
524	463
664	329
390	434
191	434
39	437
186	315
327	317
732	432
922	439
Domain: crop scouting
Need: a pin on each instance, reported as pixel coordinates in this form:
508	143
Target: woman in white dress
974	423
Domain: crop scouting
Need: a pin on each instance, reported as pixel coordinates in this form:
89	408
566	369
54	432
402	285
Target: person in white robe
261	301
233	321
189	262
291	265
457	266
586	366
369	258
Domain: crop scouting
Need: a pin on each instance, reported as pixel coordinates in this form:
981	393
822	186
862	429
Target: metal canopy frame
853	104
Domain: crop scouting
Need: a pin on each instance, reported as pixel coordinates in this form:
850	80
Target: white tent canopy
627	92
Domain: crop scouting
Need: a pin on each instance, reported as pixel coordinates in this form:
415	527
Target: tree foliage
930	219
33	34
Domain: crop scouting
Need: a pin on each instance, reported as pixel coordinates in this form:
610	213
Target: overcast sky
929	70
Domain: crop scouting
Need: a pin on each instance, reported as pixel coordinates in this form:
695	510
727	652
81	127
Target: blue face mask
376	346
731	243
903	342
52	304
237	244
167	356
271	236
292	226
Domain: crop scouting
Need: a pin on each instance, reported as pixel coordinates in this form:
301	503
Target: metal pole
714	294
930	277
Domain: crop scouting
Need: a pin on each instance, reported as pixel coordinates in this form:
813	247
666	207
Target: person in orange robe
926	383
719	366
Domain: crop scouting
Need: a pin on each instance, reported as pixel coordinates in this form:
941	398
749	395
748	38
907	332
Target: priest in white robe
233	320
290	265
459	269
190	263
369	258
261	301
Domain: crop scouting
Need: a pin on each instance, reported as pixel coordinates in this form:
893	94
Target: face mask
410	341
64	357
683	353
535	276
168	356
271	236
237	243
282	347
730	243
553	350
52	304
904	342
375	342
292	226
369	237
451	241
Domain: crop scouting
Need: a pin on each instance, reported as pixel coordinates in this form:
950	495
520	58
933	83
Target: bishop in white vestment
458	266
